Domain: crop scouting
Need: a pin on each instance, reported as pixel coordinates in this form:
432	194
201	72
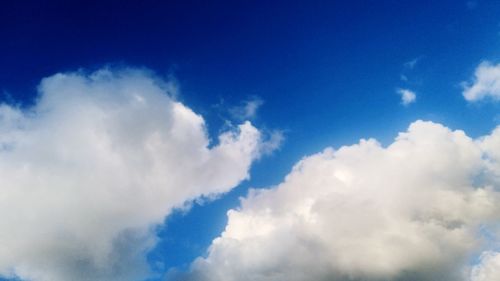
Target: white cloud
486	83
488	269
273	143
407	96
247	110
414	210
101	159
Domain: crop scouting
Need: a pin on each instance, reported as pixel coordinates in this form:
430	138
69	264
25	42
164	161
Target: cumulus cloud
488	269
95	164
485	84
417	209
407	96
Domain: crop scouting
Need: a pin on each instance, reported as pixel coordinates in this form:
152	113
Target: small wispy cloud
406	77
407	96
247	109
273	142
412	63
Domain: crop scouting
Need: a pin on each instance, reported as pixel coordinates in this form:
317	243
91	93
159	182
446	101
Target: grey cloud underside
102	158
420	209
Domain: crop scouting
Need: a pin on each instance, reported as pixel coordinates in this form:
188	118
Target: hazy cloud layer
420	209
98	161
485	84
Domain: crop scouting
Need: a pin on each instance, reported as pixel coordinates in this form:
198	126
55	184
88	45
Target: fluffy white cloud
415	210
486	83
87	172
488	269
407	96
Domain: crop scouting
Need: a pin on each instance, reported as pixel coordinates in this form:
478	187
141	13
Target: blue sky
327	73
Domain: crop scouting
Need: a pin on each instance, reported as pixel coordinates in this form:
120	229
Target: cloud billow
418	209
95	164
485	85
